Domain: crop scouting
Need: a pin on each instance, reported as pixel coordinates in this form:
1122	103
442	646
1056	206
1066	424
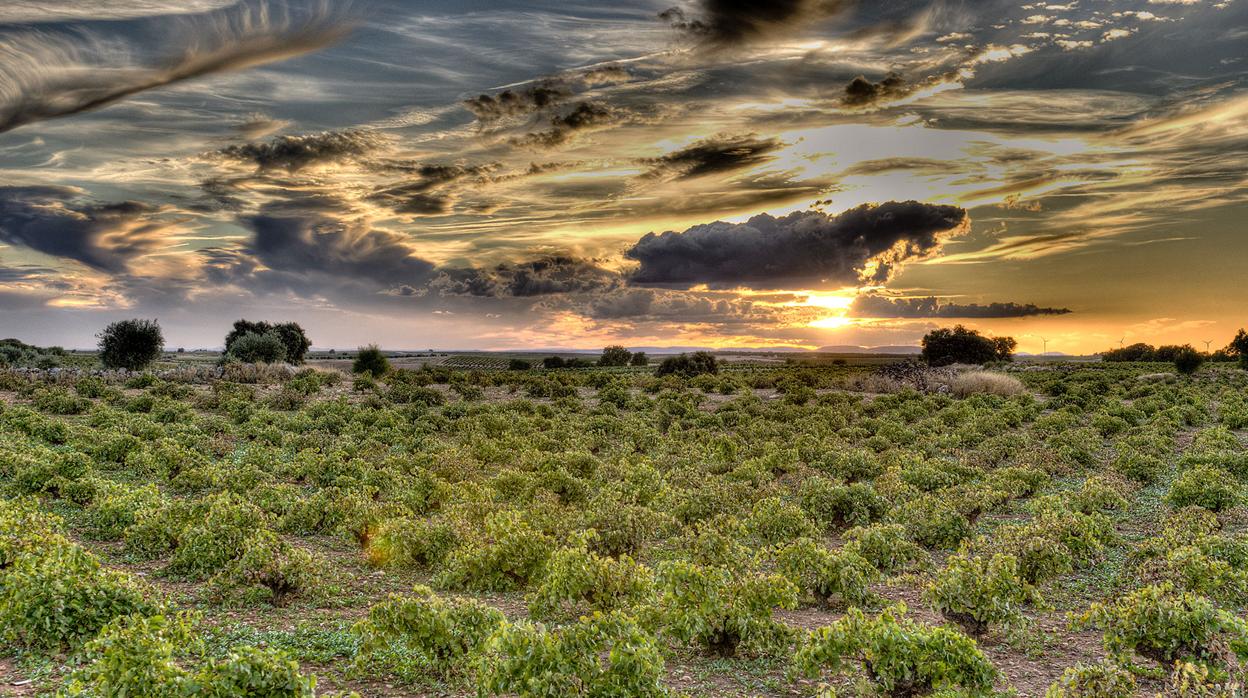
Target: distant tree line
1237	350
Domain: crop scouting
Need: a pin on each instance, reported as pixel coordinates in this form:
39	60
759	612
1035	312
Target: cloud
543	276
49	75
717	154
874	305
861	92
58	222
725	23
585	116
541	94
428	192
861	245
294	153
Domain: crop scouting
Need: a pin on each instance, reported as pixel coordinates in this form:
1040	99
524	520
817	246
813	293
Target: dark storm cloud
294	153
430	189
724	23
56	221
802	247
660	306
50	75
861	92
874	305
542	94
713	155
584	116
543	276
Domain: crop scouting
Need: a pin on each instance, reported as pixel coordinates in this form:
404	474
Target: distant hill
855	349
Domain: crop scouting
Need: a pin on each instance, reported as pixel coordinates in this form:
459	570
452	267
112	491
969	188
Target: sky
510	174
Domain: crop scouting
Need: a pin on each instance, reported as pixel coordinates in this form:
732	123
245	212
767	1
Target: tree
1187	360
131	344
961	345
372	361
518	365
615	355
294	340
1168	352
553	362
1239	347
256	348
640	359
688	365
1132	352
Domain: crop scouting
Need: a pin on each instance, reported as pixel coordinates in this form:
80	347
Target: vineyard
1049	529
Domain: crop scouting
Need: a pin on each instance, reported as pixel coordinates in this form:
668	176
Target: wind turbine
1122	341
1207	343
1046	346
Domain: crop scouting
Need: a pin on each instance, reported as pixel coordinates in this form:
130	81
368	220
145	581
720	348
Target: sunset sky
535	174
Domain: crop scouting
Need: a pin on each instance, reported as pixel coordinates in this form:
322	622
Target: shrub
253	348
601	655
294	340
976	592
130	344
577	581
722	610
885	546
826	574
688	365
518	365
774	521
615	355
1187	360
371	361
902	657
407	542
830	504
1164	625
208	545
61	595
1103	680
267	569
986	383
639	359
961	345
424	634
511	555
1204	486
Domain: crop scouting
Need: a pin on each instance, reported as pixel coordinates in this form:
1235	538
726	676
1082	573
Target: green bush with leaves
424	635
1205	486
977	592
268	569
60	595
577	581
215	538
902	658
833	505
886	546
828	574
370	361
721	609
130	344
408	542
510	554
1102	680
598	656
1160	623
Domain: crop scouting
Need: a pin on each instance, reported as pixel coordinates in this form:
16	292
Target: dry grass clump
986	382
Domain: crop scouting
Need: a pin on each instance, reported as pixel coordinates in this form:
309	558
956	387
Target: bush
722	610
826	574
424	635
511	554
1204	486
639	359
986	383
577	581
688	365
294	340
131	344
1164	625
885	546
518	365
615	355
253	348
1187	360
601	655
976	592
267	569
61	595
902	657
371	361
1103	680
961	345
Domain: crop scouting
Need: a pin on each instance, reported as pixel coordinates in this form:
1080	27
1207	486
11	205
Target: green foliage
615	355
831	504
828	574
1165	625
977	592
902	657
294	342
371	361
576	581
130	344
885	546
510	555
688	365
723	610
424	635
961	345
257	348
1103	680
1204	486
267	569
1187	360
207	545
774	521
599	656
